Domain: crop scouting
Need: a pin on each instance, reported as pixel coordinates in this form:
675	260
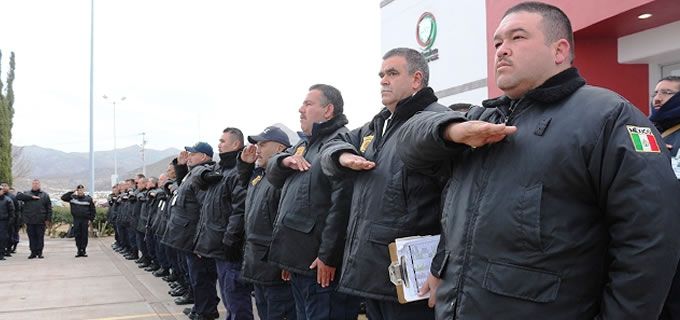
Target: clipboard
411	258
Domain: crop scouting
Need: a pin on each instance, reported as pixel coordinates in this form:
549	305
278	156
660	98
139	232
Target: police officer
83	212
185	208
15	223
37	215
389	201
6	215
273	296
309	236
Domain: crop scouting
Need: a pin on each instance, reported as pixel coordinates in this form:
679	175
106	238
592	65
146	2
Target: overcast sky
187	68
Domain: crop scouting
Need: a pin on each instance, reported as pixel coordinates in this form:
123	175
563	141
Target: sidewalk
103	286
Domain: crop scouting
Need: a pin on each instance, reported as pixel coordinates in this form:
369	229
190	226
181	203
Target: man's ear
329	112
562	52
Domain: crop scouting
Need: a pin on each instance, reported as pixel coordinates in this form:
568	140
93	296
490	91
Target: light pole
114	179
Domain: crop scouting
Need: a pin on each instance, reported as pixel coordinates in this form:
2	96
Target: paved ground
103	286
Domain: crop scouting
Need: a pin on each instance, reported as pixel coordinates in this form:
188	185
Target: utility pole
92	189
143	159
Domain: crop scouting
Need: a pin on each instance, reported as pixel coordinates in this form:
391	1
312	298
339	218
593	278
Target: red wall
596	59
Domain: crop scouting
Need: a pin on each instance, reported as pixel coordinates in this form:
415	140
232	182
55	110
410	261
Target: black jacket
220	228
262	202
388	202
143	202
185	206
112	212
81	207
124	213
6	208
138	200
36	211
151	209
314	207
561	220
17	220
160	222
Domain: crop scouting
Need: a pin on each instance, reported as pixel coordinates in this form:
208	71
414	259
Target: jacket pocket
521	282
528	217
299	222
382	235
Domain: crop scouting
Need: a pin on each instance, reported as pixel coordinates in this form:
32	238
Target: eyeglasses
663	92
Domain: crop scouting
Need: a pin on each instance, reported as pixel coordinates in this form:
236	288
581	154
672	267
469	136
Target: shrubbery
62	216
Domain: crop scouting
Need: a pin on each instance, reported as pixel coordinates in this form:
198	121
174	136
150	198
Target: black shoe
172	277
140	260
162	272
32	256
7	254
143	265
174	284
40	256
131	257
177	292
187	311
2	258
14	248
152	267
185	299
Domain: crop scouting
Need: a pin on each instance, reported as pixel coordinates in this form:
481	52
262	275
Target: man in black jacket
185	207
545	216
388	200
219	236
37	215
273	296
309	235
15	223
6	215
83	212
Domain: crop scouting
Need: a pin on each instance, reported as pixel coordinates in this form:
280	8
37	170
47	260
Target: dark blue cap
271	133
202	147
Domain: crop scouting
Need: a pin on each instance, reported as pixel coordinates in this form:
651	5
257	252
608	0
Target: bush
62	216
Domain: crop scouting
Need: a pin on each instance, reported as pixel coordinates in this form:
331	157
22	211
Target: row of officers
556	200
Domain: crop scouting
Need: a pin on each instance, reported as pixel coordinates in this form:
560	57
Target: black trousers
4	236
378	310
36	237
80	228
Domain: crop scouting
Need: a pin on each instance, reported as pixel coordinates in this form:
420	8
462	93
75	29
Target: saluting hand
248	154
296	162
324	273
355	162
477	133
183	157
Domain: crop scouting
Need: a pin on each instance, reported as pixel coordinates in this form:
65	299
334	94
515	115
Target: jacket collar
552	90
228	159
408	107
325	128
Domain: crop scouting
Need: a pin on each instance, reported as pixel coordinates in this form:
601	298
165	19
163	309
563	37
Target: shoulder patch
365	143
643	139
300	151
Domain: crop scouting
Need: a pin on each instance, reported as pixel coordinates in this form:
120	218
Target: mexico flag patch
643	139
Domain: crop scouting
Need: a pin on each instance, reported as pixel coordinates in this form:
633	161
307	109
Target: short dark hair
415	61
670	78
140	175
236	133
331	95
556	24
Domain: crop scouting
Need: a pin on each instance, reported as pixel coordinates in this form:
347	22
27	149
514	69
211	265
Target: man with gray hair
389	201
37	215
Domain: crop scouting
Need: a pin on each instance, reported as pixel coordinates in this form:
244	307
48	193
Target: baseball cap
271	133
202	147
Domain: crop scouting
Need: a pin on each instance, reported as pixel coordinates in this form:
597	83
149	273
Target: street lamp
114	179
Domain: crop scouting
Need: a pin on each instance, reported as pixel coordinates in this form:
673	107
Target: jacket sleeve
245	171
334	233
276	173
12	211
181	170
24	197
421	145
67	196
638	194
233	235
330	154
48	206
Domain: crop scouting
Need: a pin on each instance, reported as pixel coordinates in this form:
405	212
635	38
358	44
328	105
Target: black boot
187	298
40	255
33	255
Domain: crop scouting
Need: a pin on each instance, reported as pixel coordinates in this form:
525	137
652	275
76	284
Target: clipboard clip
397	273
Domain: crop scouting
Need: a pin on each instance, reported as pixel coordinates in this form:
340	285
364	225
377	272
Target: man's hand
324	273
35	197
430	286
296	162
248	154
354	162
477	133
285	275
183	157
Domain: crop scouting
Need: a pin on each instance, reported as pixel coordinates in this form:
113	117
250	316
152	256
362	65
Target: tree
6	115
